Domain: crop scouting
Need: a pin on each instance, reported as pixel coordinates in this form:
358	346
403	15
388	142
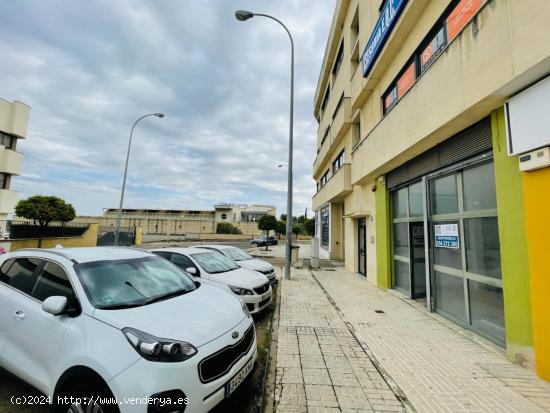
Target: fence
28	229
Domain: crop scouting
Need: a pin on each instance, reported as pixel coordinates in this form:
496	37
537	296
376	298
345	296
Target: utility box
294	254
315	253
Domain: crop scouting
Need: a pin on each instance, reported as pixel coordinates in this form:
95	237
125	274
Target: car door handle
19	315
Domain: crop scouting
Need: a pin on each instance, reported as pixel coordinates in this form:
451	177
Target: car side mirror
54	305
192	271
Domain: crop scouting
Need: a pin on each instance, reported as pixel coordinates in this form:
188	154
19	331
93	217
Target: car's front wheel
87	398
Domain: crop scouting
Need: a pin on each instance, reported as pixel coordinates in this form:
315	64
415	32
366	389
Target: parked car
244	260
86	325
253	288
260	241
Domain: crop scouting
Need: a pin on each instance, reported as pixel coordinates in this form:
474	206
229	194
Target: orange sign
406	81
461	15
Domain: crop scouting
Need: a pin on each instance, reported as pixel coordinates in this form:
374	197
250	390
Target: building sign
391	99
406	81
433	50
461	15
388	17
446	236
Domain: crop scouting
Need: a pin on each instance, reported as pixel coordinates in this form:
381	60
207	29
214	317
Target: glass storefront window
416	208
449	295
402	279
487	309
401	239
400	203
479	187
325	236
443	194
446	257
482	246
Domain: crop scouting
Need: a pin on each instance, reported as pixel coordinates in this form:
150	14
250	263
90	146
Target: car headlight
240	290
245	310
158	349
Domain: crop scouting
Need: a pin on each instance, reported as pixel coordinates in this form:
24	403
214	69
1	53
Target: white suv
252	287
120	330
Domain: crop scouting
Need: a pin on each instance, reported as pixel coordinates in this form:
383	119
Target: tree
283	217
281	227
227	228
309	226
267	223
296	229
44	210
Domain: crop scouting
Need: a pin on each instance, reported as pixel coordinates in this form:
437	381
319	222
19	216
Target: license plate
265	296
238	378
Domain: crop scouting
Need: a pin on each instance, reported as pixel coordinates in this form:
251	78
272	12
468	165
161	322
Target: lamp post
119	217
243	15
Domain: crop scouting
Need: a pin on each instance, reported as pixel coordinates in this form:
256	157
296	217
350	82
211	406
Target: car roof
87	254
214	246
181	250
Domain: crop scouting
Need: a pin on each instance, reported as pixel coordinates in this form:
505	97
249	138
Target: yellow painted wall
89	239
537	219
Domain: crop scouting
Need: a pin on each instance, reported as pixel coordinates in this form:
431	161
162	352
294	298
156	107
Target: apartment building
14	119
431	159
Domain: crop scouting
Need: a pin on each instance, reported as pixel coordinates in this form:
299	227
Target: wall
89	239
537	204
513	246
383	231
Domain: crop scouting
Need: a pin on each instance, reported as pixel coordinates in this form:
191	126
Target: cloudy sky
89	68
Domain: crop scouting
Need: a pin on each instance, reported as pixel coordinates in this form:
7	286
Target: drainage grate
329	269
379	311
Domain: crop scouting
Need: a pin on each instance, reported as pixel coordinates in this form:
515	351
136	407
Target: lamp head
159	115
243	15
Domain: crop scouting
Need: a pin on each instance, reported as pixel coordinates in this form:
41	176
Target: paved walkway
345	345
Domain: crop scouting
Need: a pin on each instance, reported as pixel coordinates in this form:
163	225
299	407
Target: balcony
341	122
337	187
10	161
7	201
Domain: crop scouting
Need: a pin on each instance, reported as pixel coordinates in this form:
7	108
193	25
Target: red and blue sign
388	17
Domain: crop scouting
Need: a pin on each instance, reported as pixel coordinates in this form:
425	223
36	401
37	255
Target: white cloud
88	70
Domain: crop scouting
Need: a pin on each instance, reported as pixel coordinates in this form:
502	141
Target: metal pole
119	217
288	250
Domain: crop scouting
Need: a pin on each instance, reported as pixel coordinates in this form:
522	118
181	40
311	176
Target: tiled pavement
320	365
350	346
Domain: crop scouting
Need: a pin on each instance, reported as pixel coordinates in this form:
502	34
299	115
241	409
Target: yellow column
537	219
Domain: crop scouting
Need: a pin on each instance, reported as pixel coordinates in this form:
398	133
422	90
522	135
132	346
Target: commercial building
420	187
14	119
186	222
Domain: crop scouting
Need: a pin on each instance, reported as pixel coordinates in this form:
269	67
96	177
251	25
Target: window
338	60
354	41
325	227
390	99
324	179
338	106
433	49
214	262
327	131
338	162
8	141
53	280
19	273
325	99
132	282
5	181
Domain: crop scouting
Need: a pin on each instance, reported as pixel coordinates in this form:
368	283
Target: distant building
14	118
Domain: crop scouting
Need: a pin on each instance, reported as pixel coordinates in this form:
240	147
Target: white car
120	330
245	260
253	288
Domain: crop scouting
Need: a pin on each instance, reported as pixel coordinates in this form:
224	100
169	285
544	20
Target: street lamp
243	15
158	115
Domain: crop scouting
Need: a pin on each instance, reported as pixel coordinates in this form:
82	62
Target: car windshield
214	262
132	282
237	254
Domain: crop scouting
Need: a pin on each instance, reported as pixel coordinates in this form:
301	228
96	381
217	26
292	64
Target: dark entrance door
418	260
362	244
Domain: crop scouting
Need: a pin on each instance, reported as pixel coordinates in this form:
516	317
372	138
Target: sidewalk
345	345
